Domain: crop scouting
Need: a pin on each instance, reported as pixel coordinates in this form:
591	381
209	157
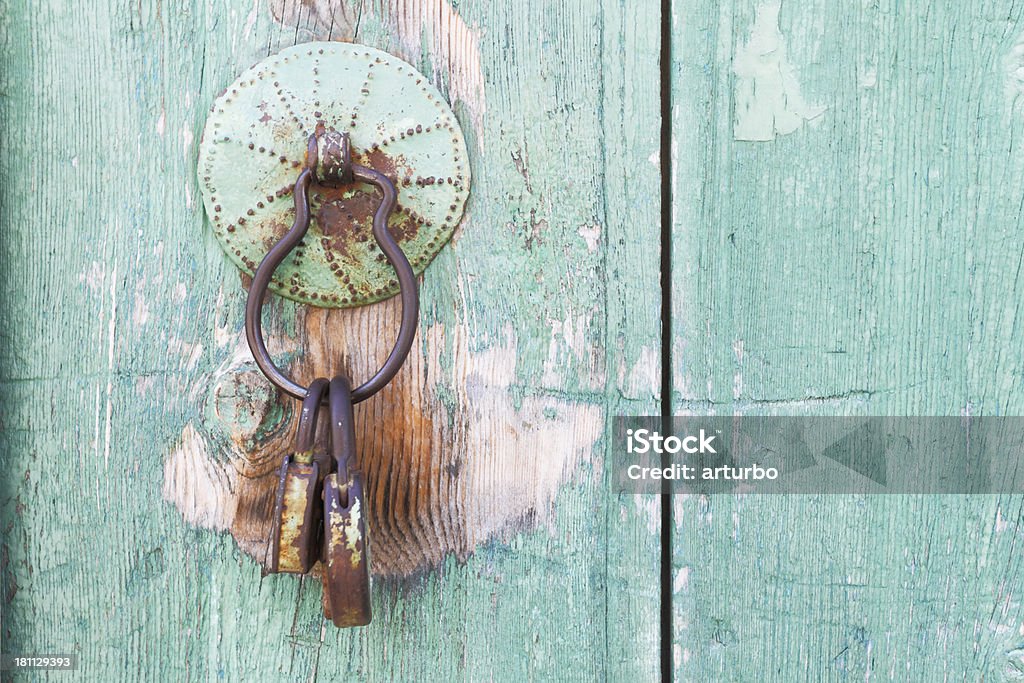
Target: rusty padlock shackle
305	435
329	162
343	432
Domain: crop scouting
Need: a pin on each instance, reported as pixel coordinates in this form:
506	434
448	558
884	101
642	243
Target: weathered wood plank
847	240
122	318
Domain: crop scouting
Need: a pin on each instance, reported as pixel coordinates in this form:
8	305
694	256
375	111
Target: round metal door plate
254	145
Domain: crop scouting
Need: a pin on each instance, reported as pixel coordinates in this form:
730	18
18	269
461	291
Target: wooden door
830	216
132	411
850	246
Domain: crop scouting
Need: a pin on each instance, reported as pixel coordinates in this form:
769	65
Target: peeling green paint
865	263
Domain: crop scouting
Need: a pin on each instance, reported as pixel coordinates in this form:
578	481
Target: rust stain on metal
346	574
297	523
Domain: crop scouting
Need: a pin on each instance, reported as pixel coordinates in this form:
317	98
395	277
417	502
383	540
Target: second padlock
346	549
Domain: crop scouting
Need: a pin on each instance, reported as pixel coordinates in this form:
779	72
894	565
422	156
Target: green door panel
847	240
136	437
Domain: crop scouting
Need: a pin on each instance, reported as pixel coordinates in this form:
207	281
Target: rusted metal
332	165
296	517
305	435
278	252
340	524
343	430
294	539
346	576
345	545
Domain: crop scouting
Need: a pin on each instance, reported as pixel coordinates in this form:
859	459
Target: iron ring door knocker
321	121
345	549
329	162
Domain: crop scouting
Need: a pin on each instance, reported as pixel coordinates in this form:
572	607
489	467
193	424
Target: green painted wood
847	240
117	301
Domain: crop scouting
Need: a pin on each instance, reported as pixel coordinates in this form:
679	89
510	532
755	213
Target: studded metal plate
254	144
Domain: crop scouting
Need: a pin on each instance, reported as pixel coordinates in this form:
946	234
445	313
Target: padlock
294	547
346	550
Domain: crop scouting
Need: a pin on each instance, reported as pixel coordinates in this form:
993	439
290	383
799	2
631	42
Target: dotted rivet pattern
254	145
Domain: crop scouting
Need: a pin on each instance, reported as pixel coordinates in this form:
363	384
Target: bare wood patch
450	457
444	474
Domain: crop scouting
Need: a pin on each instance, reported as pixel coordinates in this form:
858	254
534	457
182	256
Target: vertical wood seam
665	163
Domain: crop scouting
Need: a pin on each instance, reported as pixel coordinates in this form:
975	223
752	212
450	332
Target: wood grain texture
847	240
121	367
